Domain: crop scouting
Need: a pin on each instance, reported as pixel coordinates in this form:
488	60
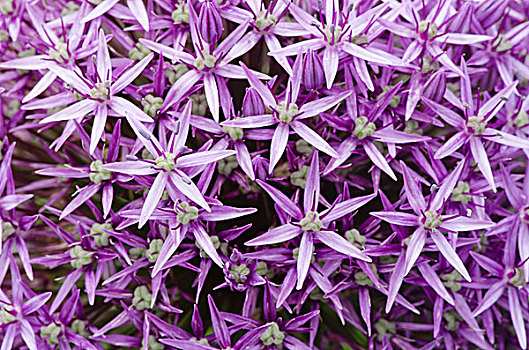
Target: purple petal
202	158
279	143
340	244
82	196
449	253
490	298
75	111
517	317
130	74
313	138
153	197
312	188
284	202
417	241
276	235
397	218
304	257
435	282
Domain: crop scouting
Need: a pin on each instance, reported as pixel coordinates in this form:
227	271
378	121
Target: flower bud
435	87
313	75
252	103
489	12
210	22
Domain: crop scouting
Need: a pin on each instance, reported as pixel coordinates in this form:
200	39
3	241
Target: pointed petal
330	62
98	127
340	244
153	197
445	190
304	258
183	183
82	196
320	105
276	235
344	208
205	242
99	10
490	298
132	73
212	95
449	253
202	158
313	138
378	159
435	282
417	241
517	317
140	13
452	145
397	218
129	110
77	110
462	223
395	281
279	143
284	202
413	191
311	195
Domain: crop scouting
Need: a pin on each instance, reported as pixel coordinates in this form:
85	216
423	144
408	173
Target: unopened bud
253	103
435	87
313	76
210	22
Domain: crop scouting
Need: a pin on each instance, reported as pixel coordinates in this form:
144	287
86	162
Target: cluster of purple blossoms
249	174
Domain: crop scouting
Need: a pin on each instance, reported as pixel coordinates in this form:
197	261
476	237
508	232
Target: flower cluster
251	174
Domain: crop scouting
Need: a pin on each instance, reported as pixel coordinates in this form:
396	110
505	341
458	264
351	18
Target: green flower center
273	336
264	20
360	39
152	343
384	327
521	119
142	298
97	174
517	279
299	178
234	133
355	237
70	7
206	60
460	193
186	213
239	272
311	222
139	52
428	26
286	113
100	92
332	33
216	243
476	125
100	236
5	314
81	257
59	53
451	318
304	147
151	104
174	74
431	220
79	327
451	281
51	331
363	128
166	162
6	6
501	44
181	13
154	249
227	165
7	230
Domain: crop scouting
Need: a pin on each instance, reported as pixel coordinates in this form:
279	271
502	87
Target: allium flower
98	93
248	183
